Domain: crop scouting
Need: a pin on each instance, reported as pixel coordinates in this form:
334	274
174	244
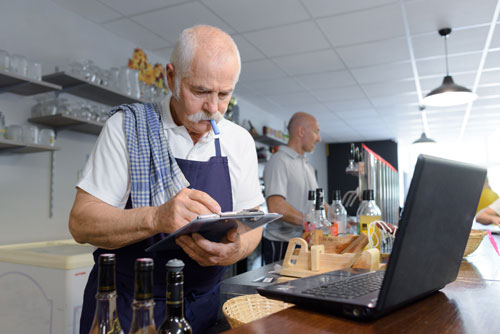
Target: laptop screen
433	231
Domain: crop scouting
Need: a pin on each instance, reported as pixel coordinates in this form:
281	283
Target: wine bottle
143	304
174	322
106	315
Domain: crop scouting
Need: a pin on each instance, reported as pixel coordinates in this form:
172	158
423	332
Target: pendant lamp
424	139
449	93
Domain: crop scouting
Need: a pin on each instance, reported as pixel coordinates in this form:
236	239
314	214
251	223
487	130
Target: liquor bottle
308	215
361	208
337	214
106	315
174	321
143	305
369	213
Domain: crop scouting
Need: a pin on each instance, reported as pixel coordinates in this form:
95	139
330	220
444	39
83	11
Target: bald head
203	42
300	119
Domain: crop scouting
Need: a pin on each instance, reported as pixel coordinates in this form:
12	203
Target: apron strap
217	148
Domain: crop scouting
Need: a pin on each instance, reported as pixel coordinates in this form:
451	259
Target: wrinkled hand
180	210
208	253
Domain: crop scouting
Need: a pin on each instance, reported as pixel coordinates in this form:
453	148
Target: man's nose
211	102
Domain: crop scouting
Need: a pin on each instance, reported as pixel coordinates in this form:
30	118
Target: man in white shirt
288	177
134	185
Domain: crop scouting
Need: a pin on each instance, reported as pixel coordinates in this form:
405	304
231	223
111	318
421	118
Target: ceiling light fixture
449	93
424	139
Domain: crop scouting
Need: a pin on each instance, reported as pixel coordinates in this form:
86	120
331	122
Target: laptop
426	255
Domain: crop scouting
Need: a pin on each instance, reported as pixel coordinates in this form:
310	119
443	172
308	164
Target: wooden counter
468	305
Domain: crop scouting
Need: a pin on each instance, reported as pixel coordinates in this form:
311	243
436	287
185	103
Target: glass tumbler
19	65
4	60
47	137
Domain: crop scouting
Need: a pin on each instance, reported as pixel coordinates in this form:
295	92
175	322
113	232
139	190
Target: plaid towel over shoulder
154	174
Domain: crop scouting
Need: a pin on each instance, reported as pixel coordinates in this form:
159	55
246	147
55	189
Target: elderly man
287	178
155	168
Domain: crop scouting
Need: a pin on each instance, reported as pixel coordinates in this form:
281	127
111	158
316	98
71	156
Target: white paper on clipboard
215	226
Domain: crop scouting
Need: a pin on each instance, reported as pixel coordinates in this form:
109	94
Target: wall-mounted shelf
87	90
267	140
60	122
16	147
17	84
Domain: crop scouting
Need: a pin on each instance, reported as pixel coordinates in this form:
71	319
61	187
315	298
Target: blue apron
201	284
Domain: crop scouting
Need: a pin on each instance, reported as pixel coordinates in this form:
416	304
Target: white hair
185	49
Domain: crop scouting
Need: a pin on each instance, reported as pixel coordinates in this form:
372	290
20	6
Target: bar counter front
470	304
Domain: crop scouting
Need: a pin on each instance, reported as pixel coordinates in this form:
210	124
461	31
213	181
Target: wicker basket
244	309
475	238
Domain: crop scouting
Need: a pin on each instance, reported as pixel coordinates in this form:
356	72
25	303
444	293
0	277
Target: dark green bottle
143	305
174	322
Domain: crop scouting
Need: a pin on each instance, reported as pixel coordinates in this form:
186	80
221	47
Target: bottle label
335	229
175	296
371	231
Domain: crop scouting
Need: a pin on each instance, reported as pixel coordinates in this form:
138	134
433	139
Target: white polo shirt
107	177
289	175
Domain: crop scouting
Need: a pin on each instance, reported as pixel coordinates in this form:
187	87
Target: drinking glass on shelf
47	137
114	78
30	134
4	60
14	132
76	69
34	70
124	80
135	91
19	65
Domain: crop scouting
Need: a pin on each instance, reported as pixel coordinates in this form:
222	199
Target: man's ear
301	131
170	76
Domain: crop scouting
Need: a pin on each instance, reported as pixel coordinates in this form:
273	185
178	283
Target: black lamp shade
424	139
449	94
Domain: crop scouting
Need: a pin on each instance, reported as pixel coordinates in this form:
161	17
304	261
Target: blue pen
214	126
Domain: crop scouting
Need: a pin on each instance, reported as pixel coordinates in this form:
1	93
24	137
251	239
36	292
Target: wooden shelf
16	147
87	90
267	140
16	84
60	121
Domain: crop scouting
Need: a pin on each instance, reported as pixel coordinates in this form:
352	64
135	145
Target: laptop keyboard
350	288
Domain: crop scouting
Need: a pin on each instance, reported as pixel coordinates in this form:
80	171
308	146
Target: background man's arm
488	216
290	214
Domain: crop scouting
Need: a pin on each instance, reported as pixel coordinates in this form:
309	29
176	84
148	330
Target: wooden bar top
468	305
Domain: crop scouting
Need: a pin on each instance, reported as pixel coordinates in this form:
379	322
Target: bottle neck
175	295
142	315
106	315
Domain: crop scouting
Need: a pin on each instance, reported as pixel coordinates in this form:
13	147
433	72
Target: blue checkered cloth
154	174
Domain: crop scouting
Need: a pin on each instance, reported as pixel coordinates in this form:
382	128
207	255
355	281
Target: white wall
43	31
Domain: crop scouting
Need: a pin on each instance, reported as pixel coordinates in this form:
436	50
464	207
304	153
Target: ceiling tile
457	63
408	98
293	38
321	8
383	73
381	52
311	62
128	8
248	52
357	114
389	88
294	101
459	41
364	26
339	94
488	91
275	86
349	105
431	15
134	32
244	15
490	77
170	22
492	60
92	10
326	80
260	70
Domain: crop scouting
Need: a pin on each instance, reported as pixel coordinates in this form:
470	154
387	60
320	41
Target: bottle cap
311	195
175	265
336	195
144	264
107	259
370	195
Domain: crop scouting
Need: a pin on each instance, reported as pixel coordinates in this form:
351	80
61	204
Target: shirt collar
290	151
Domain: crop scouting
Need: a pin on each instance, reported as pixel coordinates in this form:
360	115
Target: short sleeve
106	175
275	177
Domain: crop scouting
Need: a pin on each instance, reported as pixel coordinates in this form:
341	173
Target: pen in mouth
214	126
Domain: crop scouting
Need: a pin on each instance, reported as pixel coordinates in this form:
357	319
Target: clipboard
215	226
